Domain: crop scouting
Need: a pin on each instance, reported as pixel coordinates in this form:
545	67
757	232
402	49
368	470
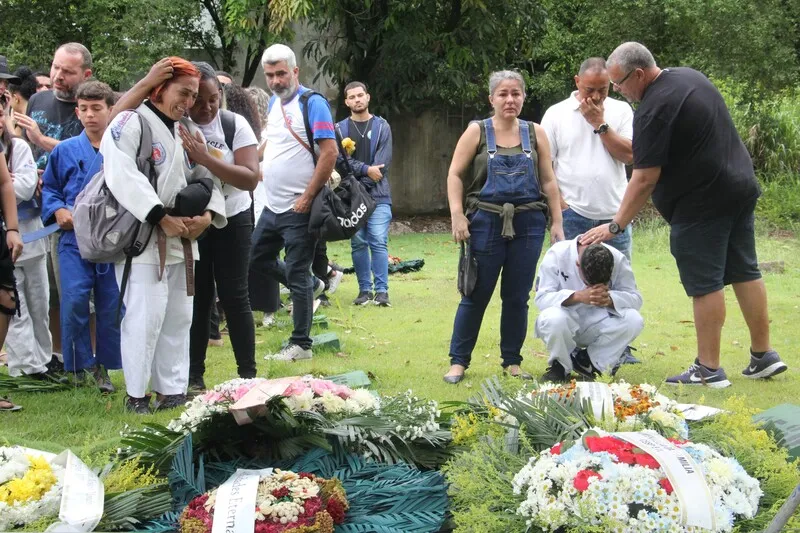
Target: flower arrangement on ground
605	481
635	407
281	419
304	394
286	502
30	487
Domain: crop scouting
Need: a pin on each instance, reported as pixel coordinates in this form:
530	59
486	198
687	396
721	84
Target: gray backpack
106	232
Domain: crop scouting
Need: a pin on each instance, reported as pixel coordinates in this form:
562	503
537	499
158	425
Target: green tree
412	54
754	41
125	37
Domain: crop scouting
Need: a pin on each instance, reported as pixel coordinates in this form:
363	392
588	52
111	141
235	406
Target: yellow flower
36	482
349	145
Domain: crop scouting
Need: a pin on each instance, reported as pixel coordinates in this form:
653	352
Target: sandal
3	358
7	405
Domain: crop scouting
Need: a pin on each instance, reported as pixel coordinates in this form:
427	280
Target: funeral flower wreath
286	502
30	487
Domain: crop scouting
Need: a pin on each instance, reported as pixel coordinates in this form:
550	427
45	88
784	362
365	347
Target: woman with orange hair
185	200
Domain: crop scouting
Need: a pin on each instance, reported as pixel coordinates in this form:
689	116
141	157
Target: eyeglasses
620	82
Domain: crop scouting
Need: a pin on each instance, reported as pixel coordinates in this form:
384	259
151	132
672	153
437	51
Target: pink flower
296	388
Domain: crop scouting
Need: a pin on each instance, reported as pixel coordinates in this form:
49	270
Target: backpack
228	120
106	232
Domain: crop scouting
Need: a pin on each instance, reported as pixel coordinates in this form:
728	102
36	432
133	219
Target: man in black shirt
688	155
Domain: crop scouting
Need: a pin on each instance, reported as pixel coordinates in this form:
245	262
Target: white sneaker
334	281
269	320
319	287
292	352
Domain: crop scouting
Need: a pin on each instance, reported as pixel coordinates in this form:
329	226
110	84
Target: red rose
336	510
624	456
312	506
645	459
556	449
666	485
280	492
306	475
581	481
677	441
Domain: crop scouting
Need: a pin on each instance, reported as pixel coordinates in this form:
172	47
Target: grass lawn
406	346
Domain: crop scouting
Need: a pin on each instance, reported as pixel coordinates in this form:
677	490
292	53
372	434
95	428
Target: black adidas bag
337	214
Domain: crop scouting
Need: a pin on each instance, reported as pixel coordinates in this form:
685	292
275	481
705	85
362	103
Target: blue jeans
78	278
374	238
575	224
517	259
290	230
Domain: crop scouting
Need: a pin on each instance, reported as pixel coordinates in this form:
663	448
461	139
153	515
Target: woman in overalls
509	193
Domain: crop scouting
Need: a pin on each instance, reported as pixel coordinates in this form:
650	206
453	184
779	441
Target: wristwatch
615	228
603	128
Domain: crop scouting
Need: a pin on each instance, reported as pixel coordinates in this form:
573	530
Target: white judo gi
604	331
154	333
29	343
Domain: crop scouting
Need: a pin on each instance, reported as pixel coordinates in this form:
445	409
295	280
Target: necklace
366	128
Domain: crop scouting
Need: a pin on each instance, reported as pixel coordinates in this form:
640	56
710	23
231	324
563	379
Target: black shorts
713	253
7	280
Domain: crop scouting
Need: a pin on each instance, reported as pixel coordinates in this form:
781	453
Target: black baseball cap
5	74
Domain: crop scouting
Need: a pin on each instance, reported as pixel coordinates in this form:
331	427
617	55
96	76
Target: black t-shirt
362	152
683	126
56	119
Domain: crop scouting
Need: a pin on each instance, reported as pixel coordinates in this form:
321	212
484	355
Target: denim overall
510	179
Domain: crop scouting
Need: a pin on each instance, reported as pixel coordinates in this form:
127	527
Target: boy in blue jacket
70	167
370	162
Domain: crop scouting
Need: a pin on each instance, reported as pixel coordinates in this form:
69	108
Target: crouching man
589	309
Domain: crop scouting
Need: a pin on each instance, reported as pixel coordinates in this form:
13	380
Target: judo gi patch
159	154
116	129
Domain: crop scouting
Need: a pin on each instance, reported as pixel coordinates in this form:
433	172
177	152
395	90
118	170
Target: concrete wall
423	148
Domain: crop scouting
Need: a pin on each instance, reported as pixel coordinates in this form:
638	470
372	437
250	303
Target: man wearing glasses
688	155
590	144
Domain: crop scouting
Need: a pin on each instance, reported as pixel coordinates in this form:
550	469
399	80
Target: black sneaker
197	385
766	366
170	401
555	373
364	297
323	300
582	365
697	374
626	358
100	375
140	406
382	299
55	365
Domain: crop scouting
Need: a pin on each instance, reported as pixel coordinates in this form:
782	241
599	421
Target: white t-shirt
592	182
25	181
236	200
288	165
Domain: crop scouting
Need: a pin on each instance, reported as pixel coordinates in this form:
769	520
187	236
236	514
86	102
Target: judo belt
506	212
39	233
188	259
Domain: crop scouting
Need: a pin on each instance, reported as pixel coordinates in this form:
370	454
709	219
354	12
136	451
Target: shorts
717	252
7	280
